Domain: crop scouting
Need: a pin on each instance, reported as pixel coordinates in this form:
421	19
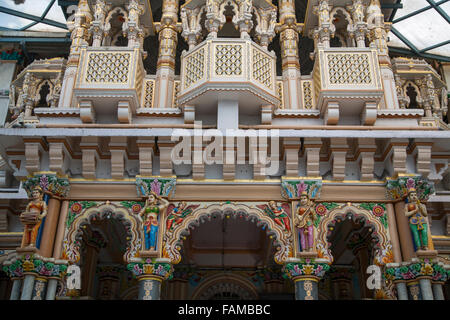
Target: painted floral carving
307	267
49	183
147	267
398	189
292	189
164	187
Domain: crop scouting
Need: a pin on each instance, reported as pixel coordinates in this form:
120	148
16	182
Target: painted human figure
154	206
175	217
304	221
281	217
417	214
32	217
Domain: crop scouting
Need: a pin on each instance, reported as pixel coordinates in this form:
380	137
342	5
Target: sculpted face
36	194
151	198
303	200
272	204
413	196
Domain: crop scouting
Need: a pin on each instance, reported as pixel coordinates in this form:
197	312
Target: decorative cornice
148	267
164	187
291	188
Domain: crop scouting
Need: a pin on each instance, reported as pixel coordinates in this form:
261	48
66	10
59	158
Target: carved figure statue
154	207
417	214
324	13
279	215
32	217
176	214
304	222
358	11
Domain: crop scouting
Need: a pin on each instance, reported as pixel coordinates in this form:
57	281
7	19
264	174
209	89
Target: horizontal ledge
167	130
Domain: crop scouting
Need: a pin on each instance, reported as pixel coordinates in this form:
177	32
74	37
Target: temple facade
225	149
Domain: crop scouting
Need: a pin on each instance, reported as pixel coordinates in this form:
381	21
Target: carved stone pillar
291	148
60	230
132	28
90	154
339	149
79	36
421	150
34	148
165	69
51	221
404	231
326	28
367	149
306	276
145	146
150	276
289	29
165	146
399	156
118	149
89	267
312	150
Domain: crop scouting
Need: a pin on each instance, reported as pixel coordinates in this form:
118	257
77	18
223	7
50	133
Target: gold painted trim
148	277
305	278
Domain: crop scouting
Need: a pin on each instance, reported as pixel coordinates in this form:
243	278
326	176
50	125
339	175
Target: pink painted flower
43	182
410	183
136	208
321	210
378	210
156	186
76	208
300	188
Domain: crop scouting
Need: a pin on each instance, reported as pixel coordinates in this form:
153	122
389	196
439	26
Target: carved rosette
149	267
397	189
305	267
293	188
163	187
50	183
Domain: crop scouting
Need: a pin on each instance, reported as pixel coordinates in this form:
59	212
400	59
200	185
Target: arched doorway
100	238
227	252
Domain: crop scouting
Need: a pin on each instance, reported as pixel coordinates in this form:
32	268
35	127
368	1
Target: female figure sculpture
304	221
32	217
154	206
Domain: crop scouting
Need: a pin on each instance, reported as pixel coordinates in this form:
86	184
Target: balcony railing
228	64
347	78
108	76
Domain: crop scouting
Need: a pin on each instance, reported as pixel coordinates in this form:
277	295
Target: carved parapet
49	182
349	76
164	187
397	189
291	188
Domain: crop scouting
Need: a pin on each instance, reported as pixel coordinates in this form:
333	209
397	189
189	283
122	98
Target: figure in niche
176	215
43	96
32	217
417	214
304	222
412	94
324	13
278	214
358	12
154	206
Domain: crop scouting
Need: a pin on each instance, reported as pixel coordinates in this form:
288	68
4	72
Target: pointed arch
132	224
281	239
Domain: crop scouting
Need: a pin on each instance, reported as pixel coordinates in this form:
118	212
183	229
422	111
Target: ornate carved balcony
347	82
239	68
109	78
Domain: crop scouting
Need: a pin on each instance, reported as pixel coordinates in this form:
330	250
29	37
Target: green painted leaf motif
88	204
367	206
384	221
330	205
317	221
